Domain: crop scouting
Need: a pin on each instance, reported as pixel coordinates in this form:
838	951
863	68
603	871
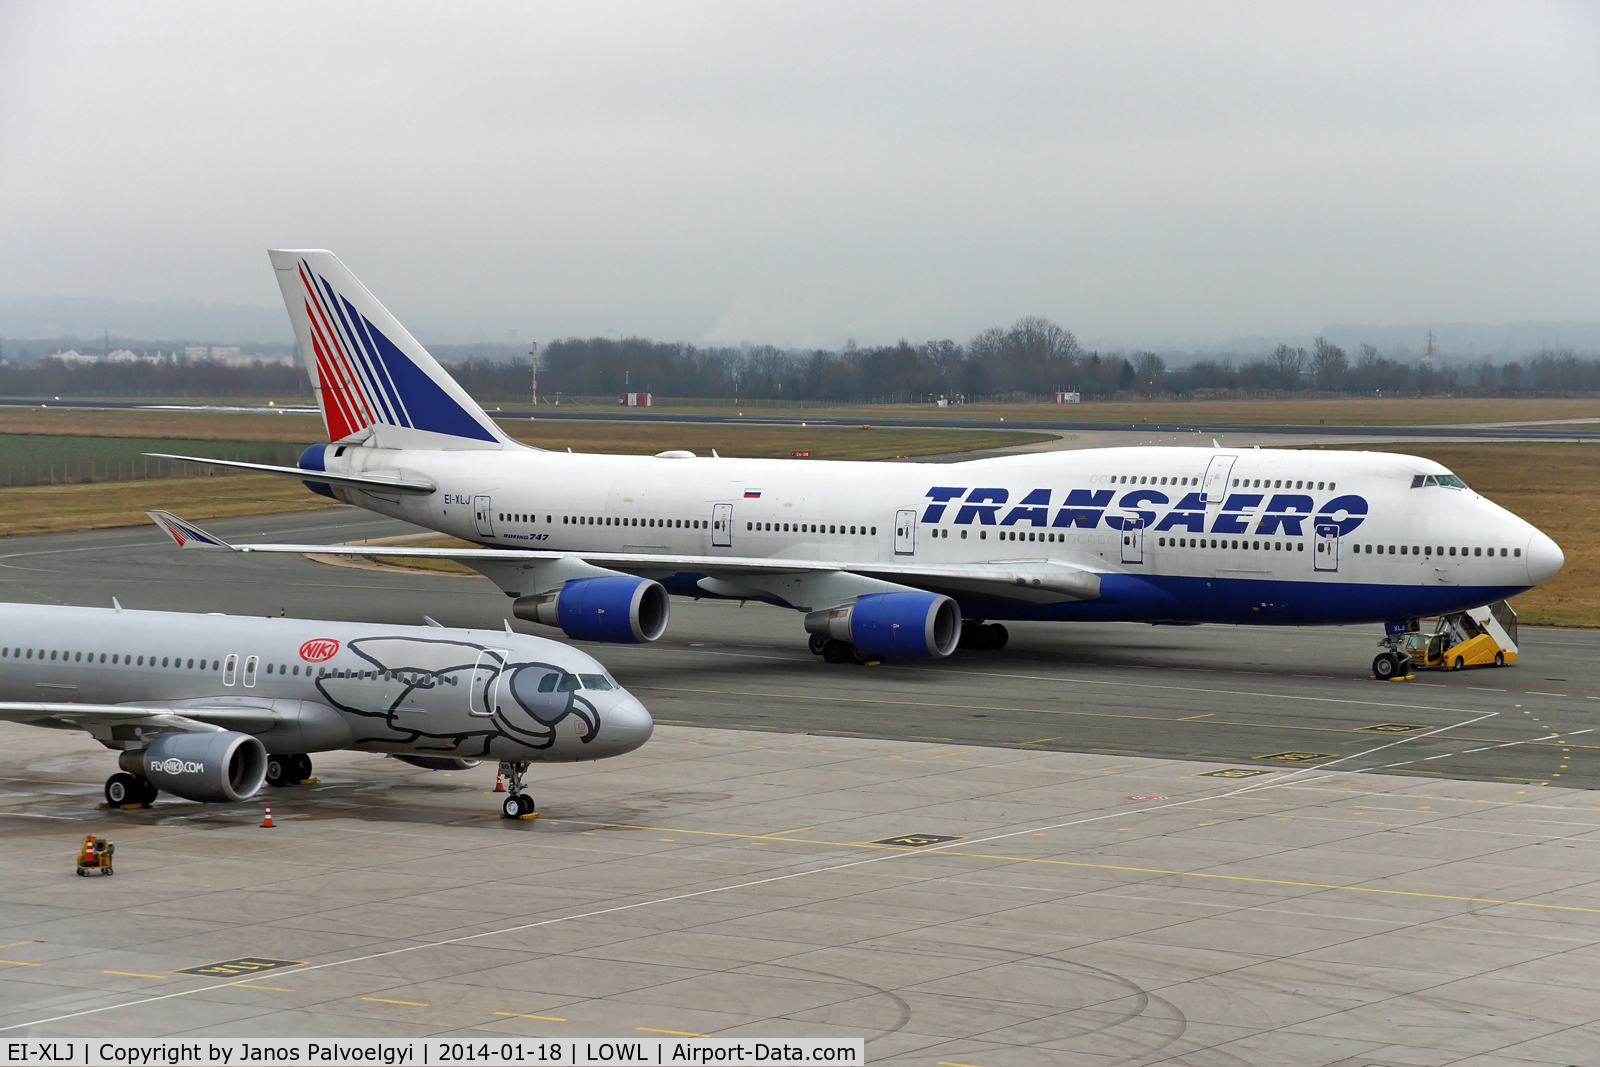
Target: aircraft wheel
979	638
147	792
999	635
1384	666
836	651
1461	664
280	771
511	806
123	789
860	657
816	644
1499	659
302	767
526	804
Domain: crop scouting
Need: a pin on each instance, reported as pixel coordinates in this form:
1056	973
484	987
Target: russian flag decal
751	494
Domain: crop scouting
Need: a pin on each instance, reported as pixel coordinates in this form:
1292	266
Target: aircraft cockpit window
1451	481
547	684
1418	481
595	681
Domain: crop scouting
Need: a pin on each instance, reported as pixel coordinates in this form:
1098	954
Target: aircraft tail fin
186	534
367	371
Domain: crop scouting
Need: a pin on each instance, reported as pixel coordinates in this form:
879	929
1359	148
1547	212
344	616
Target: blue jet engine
893	624
620	609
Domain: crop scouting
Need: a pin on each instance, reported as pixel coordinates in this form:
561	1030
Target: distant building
198	352
224	353
74	356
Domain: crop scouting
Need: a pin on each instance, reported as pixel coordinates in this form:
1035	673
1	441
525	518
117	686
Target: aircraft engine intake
893	624
622	609
221	766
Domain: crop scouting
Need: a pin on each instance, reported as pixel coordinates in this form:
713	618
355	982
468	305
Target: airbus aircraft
883	559
210	707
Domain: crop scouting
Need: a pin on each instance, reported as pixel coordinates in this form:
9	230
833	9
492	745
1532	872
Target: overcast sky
804	173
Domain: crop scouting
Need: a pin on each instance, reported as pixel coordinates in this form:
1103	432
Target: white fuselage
418	690
1190	534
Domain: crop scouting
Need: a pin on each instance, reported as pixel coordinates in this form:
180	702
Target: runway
1262	698
1170	431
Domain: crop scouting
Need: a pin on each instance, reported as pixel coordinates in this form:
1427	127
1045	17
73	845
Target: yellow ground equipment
1481	637
95	856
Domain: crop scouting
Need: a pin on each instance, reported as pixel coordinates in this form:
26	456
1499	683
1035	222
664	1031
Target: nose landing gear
517	804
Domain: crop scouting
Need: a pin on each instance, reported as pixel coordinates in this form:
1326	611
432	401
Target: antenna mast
534	352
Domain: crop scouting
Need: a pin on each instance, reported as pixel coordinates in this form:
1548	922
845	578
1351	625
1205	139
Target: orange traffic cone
88	851
500	782
266	823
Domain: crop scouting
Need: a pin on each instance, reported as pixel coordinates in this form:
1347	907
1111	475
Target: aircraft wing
396	484
1023	580
94	717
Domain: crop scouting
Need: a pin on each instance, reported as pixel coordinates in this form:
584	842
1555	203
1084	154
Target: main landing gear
833	650
517	804
130	791
288	769
983	636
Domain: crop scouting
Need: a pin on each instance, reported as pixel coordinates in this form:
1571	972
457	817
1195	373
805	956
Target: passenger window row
812	527
1238	483
1280	483
1430	550
117	659
1254	546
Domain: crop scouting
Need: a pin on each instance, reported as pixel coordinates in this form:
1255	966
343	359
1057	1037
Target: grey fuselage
422	690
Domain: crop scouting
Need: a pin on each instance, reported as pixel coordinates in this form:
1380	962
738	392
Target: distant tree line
1029	360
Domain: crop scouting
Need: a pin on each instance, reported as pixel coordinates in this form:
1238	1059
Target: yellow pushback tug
1480	637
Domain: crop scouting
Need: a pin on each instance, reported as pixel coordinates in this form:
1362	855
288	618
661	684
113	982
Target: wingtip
185	534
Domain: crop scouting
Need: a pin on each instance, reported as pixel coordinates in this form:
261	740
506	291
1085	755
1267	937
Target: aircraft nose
626	725
1545	558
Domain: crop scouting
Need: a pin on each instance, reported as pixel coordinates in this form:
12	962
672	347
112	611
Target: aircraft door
482	515
250	670
230	669
1132	543
1216	483
722	526
905	532
485	687
1327	557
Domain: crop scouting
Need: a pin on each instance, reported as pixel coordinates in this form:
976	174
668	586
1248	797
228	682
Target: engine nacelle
312	460
221	766
893	624
622	609
439	763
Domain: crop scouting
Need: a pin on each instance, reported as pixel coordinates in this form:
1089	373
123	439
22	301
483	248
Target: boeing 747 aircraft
883	559
210	707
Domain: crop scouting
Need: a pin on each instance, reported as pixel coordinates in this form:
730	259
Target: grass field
1557	488
66	446
46	508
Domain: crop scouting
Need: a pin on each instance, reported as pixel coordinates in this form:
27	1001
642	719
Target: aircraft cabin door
1216	483
905	532
482	516
722	526
485	687
1132	543
1327	557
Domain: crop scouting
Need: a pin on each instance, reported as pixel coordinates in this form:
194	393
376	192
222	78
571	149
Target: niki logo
318	649
174	765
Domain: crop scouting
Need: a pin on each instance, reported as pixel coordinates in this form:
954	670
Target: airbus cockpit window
595	681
